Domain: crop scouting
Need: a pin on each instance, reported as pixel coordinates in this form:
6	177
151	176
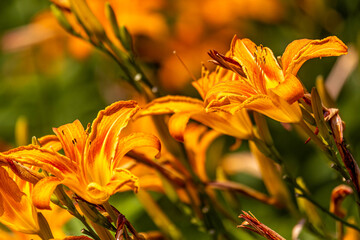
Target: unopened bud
307	116
88	20
126	39
317	108
324	94
337	128
35	141
44	227
337	197
60	17
263	129
93	214
110	15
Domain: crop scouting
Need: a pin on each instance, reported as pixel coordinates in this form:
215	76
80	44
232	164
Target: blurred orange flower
16	209
19	213
214	24
259	83
92	165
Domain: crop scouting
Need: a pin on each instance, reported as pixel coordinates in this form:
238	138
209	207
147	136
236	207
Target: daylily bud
93	214
59	15
35	141
337	127
337	197
110	15
126	39
44	227
324	94
351	165
263	128
307	116
88	20
318	112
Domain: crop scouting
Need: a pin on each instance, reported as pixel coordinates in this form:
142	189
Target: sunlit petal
177	124
290	90
72	137
270	105
300	51
171	104
16	209
43	191
197	141
106	129
51	142
133	141
237	124
44	158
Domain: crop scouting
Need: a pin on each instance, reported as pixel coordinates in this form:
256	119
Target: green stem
158	216
314	137
306	196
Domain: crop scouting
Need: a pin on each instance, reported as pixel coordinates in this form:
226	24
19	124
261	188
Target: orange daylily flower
91	166
184	108
260	83
16	209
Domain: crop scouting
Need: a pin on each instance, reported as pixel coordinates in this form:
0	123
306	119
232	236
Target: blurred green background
43	82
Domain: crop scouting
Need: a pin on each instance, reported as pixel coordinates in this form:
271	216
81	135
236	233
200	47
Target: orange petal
171	104
106	129
151	182
258	61
50	141
177	124
237	125
270	67
197	140
97	194
121	178
72	137
208	80
43	191
299	51
291	89
226	89
230	99
132	141
16	209
247	59
47	159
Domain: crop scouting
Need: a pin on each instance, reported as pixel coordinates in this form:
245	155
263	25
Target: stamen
184	65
